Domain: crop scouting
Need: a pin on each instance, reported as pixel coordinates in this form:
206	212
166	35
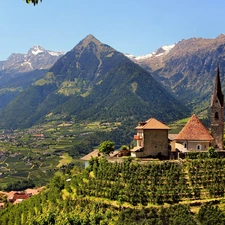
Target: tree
212	152
33	1
124	147
106	147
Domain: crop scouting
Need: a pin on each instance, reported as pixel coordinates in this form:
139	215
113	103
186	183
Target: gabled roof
194	130
96	153
152	124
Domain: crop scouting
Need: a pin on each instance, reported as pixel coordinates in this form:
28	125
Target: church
153	139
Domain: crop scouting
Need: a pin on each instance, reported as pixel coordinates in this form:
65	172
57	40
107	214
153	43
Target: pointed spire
217	89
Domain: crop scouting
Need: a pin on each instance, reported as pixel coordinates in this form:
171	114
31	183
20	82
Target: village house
152	139
94	154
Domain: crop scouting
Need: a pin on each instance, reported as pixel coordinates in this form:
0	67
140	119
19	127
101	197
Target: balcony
138	137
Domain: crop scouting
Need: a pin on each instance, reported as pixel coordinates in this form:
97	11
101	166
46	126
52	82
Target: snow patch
166	49
130	56
145	56
26	63
36	50
55	53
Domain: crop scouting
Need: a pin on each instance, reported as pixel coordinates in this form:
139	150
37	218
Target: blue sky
137	27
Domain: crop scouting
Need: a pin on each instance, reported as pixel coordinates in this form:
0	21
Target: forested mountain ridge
95	82
188	69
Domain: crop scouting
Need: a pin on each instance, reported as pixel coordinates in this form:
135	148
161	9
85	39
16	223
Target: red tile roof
21	196
152	124
194	130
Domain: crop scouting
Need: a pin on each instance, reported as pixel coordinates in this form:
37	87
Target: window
198	147
185	145
216	115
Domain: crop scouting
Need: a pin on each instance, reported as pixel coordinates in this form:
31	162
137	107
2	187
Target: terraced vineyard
155	182
158	192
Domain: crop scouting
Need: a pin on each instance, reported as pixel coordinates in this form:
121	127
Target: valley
36	154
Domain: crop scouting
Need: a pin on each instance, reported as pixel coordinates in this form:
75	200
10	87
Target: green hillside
11	86
166	193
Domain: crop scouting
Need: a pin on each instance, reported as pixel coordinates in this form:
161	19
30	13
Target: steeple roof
217	94
152	124
194	130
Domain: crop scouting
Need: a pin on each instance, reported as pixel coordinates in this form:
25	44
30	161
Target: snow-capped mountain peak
37	58
37	49
159	52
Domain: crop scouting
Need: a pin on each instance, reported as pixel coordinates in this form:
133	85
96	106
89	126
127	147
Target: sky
137	27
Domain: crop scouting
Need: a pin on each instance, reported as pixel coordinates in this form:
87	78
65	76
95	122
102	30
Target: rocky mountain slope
188	69
154	60
21	70
95	82
37	58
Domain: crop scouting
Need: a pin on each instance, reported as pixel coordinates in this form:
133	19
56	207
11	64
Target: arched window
216	115
198	147
185	144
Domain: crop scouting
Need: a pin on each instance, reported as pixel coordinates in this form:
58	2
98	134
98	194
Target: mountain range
187	69
37	58
19	71
93	81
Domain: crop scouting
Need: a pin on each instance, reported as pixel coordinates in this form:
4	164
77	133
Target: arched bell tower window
216	115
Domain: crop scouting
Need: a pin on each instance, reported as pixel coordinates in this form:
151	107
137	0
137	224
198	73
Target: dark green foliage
212	152
106	147
196	155
177	215
209	214
19	185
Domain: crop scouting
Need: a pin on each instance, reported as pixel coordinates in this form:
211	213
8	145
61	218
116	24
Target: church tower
217	113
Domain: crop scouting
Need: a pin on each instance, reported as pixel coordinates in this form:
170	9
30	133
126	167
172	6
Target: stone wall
155	142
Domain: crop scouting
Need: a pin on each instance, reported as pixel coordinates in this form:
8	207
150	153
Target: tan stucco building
152	139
